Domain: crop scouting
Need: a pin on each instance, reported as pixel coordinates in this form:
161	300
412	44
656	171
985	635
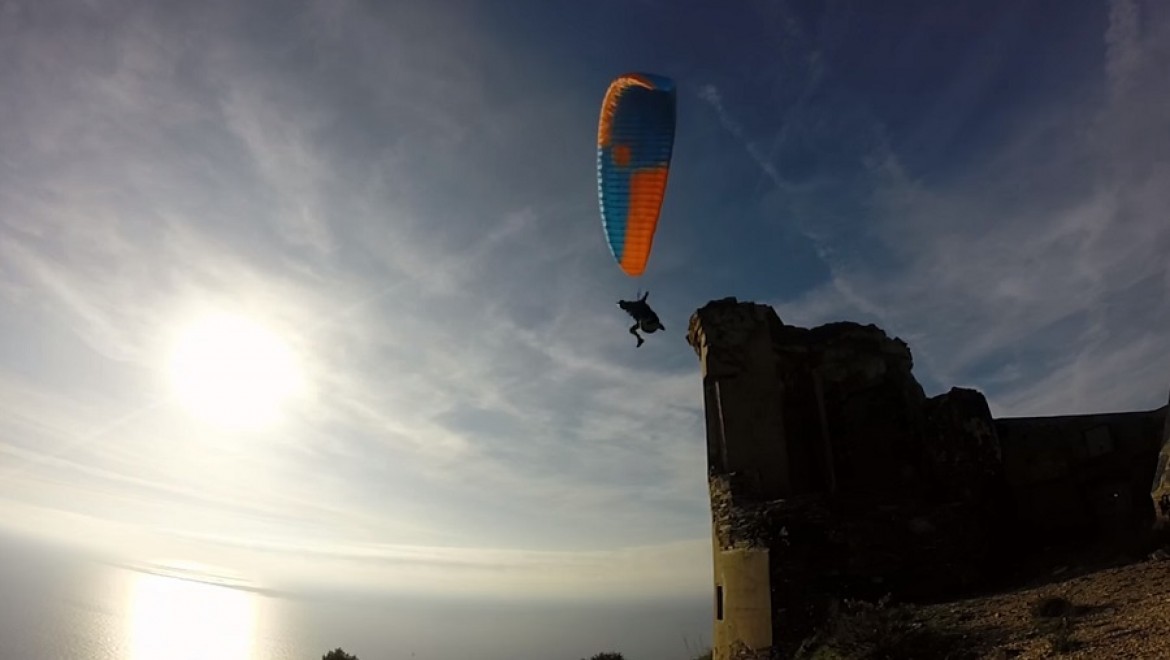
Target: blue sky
405	193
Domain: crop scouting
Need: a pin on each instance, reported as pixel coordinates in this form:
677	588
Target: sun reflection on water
184	620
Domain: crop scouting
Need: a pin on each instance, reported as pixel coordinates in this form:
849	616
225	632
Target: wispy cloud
457	400
1046	261
478	415
1046	255
710	94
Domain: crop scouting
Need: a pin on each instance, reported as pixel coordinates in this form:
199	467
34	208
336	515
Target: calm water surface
59	607
56	608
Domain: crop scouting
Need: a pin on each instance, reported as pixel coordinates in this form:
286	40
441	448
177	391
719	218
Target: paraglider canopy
635	141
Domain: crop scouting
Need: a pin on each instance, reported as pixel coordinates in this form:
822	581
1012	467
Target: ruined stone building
833	475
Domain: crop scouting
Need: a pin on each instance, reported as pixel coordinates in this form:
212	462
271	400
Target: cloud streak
374	184
453	403
1044	263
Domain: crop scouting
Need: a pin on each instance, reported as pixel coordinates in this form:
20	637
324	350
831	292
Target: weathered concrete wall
743	612
1082	474
832	475
747	443
824	451
745	426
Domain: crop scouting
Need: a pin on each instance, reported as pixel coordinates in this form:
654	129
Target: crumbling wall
747	445
1082	477
828	465
825	452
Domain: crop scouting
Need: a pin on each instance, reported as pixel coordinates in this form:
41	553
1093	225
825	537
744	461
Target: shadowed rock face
1161	490
825	453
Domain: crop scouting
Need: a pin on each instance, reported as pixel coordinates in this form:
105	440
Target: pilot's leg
634	331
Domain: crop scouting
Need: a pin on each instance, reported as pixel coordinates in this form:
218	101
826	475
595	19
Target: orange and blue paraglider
635	140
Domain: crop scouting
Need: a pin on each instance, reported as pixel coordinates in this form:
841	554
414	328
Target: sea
55	605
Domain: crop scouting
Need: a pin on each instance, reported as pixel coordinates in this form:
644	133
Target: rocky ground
1117	612
1120	612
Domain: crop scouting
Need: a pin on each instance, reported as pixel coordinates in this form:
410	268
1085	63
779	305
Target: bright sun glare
179	620
233	372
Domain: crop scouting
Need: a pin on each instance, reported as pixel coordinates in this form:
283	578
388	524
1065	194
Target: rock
1160	491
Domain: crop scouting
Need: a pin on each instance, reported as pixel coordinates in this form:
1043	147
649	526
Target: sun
233	372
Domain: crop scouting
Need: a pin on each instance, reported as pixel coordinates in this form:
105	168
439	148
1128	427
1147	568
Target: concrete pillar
746	444
743	606
766	441
743	396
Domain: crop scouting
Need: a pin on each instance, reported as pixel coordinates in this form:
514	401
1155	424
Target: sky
405	194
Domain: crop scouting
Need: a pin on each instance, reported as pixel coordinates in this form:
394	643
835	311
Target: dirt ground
1119	612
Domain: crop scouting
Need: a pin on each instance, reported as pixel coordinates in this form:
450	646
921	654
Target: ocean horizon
62	605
